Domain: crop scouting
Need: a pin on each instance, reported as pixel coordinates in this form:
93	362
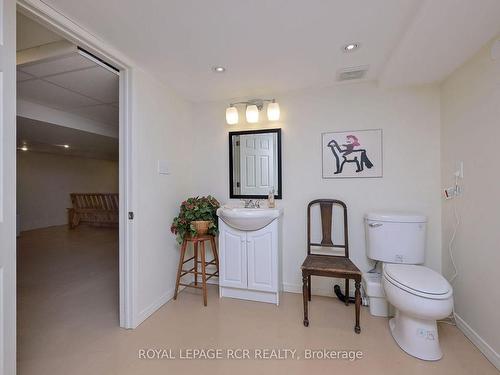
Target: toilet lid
418	278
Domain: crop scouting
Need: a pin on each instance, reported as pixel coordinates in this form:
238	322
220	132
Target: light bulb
252	114
231	115
273	111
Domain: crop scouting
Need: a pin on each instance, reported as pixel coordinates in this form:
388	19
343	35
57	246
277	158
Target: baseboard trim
152	308
296	288
292	288
478	341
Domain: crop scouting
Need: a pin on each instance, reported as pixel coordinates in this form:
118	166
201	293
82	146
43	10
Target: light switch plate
163	167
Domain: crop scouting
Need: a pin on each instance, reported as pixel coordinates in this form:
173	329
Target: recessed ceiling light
66	146
24	148
218	69
350	47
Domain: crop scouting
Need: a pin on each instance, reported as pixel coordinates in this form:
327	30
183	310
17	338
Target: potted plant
197	216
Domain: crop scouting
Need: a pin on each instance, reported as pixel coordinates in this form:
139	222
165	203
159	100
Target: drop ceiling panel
21	76
96	82
56	66
104	113
45	137
51	95
31	34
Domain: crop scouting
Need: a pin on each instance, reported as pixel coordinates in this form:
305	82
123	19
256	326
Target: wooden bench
98	209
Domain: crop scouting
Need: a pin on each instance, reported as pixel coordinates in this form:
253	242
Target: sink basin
248	218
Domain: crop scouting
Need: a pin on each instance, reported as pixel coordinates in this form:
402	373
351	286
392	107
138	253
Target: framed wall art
352	154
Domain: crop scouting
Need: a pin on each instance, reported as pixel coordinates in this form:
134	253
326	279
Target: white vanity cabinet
249	262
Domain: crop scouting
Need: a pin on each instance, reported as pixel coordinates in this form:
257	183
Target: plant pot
201	226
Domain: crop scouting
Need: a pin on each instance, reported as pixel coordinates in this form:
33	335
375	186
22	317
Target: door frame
55	21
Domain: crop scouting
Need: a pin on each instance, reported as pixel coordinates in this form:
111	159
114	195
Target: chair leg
305	297
203	273
179	269
195	262
357	295
216	254
71	216
309	294
347	292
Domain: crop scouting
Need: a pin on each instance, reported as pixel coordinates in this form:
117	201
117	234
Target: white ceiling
45	137
441	37
272	46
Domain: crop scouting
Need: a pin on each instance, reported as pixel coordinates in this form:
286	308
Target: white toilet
420	295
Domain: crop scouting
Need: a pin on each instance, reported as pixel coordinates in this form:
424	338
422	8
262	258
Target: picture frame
352	154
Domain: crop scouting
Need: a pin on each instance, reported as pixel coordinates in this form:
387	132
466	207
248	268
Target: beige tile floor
68	323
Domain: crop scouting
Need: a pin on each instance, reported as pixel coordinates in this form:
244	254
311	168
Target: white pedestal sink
248	218
249	253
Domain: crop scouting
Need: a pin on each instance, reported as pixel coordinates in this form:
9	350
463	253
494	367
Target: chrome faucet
249	203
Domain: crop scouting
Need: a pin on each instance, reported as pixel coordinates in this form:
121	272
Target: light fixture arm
257	102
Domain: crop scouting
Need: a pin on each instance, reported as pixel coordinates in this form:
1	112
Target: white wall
471	133
44	182
161	131
410	120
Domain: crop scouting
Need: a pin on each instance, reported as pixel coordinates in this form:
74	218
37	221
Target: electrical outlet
452	192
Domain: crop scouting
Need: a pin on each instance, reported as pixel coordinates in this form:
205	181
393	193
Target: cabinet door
262	246
233	257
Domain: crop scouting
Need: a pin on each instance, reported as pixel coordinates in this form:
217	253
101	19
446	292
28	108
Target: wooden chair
329	265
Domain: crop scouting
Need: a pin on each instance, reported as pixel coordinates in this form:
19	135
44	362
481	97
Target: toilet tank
395	237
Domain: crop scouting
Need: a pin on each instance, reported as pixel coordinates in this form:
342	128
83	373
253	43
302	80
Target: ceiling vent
351	73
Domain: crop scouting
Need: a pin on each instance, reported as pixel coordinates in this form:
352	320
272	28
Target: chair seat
324	264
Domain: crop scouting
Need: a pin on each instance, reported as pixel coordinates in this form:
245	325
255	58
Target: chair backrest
95	201
326	210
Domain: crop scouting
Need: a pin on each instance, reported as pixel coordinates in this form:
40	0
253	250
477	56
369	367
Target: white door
7	187
262	259
257	164
233	257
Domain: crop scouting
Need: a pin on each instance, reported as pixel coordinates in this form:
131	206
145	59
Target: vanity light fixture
252	114
350	47
252	109
231	115
273	111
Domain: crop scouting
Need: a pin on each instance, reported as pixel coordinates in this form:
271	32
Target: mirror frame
278	194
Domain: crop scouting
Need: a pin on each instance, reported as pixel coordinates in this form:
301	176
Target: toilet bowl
421	296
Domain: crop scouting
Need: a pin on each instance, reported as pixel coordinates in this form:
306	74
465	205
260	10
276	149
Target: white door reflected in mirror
255	164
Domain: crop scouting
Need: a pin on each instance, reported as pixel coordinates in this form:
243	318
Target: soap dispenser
270	199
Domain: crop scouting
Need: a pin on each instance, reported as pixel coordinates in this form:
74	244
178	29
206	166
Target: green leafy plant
195	209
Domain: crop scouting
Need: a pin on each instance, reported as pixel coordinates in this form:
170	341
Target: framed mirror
255	164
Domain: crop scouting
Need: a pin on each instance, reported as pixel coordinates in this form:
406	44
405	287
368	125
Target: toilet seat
418	280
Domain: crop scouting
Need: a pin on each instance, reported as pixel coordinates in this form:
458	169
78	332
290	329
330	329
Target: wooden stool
194	270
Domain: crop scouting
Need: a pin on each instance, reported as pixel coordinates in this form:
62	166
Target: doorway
67	191
108	60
